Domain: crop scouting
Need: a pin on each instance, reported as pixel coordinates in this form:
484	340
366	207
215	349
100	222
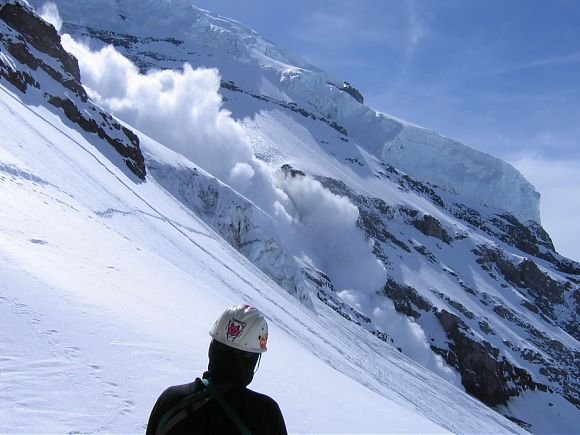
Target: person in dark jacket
219	402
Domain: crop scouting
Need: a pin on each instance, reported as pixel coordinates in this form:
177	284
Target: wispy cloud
549	61
345	28
416	30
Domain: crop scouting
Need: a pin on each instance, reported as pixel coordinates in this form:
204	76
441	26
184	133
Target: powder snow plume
183	111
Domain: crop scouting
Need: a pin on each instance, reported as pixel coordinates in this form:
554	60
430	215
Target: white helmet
242	327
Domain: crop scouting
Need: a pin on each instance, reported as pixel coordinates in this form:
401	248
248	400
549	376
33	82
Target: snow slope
108	288
459	264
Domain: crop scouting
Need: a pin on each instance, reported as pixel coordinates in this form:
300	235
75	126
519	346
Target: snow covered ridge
469	291
173	32
29	44
103	278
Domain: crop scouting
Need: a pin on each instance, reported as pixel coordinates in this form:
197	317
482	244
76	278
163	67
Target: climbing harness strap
195	401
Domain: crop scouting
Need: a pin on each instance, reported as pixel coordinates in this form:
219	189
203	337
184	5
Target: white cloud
558	181
416	29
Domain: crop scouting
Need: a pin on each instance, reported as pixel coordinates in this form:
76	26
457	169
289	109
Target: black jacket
259	412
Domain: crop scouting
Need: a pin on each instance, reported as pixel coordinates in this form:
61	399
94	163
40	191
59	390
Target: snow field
108	289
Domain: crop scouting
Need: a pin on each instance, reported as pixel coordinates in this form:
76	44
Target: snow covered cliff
280	188
183	33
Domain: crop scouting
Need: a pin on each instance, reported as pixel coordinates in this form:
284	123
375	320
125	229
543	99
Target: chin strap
195	401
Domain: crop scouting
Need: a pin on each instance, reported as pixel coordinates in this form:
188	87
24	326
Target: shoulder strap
234	417
177	413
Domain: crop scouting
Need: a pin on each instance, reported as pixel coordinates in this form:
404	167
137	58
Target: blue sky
500	76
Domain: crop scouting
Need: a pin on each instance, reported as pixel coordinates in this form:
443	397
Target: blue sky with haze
502	76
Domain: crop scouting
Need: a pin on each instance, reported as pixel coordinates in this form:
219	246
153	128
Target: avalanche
109	288
235	172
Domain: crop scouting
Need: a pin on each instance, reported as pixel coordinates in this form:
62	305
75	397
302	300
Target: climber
219	402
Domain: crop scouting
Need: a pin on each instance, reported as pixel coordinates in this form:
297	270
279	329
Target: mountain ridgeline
456	230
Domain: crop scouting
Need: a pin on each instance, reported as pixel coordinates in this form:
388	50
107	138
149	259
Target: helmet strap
258	364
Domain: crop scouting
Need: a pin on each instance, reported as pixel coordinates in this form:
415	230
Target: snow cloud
49	13
183	111
325	230
406	334
180	109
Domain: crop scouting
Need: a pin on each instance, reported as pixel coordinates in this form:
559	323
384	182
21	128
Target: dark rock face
546	292
529	238
353	92
350	90
406	299
554	302
409	184
430	226
31	41
19	79
485	375
44	38
487	372
130	151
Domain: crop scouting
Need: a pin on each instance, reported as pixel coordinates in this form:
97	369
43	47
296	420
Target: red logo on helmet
234	329
263	341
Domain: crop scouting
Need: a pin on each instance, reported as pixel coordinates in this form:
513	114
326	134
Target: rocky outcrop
548	294
430	226
293	107
484	374
552	301
35	47
35	32
406	299
528	238
350	90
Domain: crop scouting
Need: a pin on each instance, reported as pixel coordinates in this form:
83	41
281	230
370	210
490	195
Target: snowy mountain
142	192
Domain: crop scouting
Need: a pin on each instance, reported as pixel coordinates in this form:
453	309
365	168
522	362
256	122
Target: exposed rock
406	299
422	249
527	238
130	151
353	92
289	170
431	226
37	46
408	183
19	79
484	374
374	213
44	38
546	292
